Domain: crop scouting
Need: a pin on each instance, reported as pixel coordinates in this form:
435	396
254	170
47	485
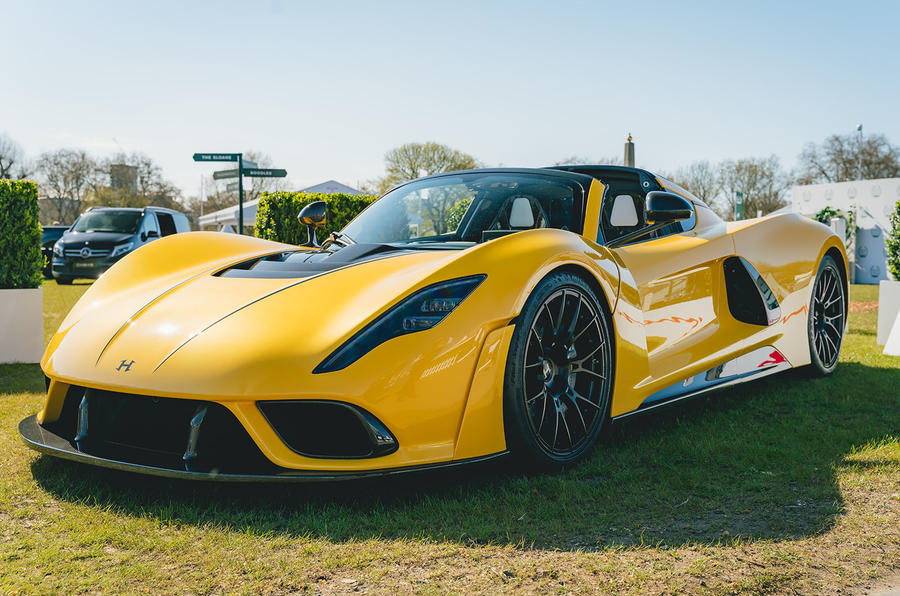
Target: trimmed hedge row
276	215
21	261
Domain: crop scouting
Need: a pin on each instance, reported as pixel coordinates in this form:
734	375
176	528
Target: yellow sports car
460	317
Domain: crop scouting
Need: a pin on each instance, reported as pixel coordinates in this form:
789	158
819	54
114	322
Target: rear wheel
64	281
827	318
559	374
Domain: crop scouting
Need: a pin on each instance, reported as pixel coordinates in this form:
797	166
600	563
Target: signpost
738	206
231	187
264	173
245	167
224	174
217	156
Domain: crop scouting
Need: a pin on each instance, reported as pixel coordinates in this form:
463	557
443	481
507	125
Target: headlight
418	312
121	249
58	249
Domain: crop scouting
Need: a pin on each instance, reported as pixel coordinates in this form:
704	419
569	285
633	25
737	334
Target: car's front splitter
42	440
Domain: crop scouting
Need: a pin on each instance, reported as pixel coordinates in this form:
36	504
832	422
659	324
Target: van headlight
58	249
121	249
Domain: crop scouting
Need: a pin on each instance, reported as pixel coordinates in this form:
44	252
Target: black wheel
559	374
64	281
827	317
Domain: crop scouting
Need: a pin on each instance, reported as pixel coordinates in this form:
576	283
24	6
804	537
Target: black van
49	236
103	235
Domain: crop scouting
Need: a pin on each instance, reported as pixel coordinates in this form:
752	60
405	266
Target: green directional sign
738	206
264	173
245	167
217	156
225	174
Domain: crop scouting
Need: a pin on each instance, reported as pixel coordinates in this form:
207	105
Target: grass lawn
788	483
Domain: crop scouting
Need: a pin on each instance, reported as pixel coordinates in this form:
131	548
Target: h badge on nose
125	365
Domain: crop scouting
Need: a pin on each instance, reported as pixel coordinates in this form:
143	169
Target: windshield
124	222
473	207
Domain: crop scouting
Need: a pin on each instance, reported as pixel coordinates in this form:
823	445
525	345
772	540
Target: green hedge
276	215
893	243
21	261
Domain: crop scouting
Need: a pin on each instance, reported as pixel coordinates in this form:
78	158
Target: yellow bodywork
236	341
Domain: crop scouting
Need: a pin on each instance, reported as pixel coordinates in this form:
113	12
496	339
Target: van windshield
108	220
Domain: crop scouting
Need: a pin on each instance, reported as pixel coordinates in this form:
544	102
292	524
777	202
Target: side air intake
750	299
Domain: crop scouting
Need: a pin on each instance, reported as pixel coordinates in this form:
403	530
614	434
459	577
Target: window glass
472	207
108	220
166	223
633	189
150	223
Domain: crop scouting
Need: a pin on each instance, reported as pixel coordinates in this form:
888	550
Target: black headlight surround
390	324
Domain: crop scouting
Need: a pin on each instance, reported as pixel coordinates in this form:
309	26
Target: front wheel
827	318
559	374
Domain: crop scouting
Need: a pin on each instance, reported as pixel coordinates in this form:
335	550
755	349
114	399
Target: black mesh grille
154	431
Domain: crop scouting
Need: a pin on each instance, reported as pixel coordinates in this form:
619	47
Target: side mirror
152	234
313	216
666	207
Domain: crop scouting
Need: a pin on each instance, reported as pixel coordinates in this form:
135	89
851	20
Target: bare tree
253	187
578	160
12	160
413	160
763	182
701	178
67	177
843	157
133	180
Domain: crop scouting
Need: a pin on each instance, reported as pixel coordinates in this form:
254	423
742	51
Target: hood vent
304	263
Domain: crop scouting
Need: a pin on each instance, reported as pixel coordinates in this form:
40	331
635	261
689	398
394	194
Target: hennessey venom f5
460	317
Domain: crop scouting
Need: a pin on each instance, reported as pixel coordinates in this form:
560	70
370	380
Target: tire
64	281
827	318
559	375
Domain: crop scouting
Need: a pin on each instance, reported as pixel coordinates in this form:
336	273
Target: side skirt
757	364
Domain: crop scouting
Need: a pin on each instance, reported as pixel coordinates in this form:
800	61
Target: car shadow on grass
758	462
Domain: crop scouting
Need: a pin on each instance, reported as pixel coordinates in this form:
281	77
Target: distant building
122	176
871	202
229	216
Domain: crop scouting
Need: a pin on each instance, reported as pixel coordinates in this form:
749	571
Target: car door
149	227
679	278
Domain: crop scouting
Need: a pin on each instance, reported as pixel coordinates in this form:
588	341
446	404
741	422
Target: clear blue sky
326	88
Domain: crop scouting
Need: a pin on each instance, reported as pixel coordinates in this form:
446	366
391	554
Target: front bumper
72	267
42	440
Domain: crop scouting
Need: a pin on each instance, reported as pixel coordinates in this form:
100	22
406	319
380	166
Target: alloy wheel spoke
543	414
535	398
581	369
563	330
577	409
555	427
562	309
594	351
584	399
566	425
574	322
586	327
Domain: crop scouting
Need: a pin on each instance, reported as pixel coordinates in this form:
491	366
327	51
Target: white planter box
888	307
21	326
